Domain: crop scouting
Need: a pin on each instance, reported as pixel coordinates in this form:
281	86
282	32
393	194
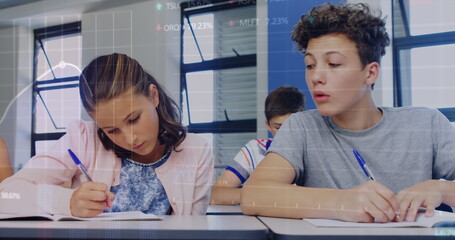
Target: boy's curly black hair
356	21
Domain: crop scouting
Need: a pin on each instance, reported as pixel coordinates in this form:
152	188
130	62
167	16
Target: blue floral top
140	189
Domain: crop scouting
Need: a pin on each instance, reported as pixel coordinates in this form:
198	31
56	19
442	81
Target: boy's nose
317	76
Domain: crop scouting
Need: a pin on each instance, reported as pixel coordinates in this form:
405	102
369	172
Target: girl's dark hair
108	76
356	21
283	100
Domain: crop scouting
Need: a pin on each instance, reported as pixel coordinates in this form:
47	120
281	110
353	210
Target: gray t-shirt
407	146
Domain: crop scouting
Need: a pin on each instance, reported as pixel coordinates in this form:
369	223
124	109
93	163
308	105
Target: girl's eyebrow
108	127
124	120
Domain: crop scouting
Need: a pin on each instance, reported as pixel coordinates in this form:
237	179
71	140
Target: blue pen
80	165
84	171
363	164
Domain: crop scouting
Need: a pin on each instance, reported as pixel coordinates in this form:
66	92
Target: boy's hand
368	202
90	199
426	194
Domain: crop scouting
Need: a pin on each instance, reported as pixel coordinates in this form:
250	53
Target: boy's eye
309	66
334	64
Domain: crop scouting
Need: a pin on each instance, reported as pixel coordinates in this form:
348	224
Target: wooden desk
290	229
224	210
171	227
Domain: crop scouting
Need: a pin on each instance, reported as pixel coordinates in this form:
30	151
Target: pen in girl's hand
85	172
80	165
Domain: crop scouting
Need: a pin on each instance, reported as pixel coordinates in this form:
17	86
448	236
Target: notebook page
421	221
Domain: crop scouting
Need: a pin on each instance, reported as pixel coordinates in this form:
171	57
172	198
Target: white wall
16	57
383	89
24	92
262	68
132	30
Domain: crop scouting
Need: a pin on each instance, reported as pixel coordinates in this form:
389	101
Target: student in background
136	151
279	105
407	150
6	169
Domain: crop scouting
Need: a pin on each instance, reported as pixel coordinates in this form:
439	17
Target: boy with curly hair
311	170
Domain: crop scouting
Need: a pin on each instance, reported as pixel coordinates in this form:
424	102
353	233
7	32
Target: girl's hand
368	202
90	199
426	194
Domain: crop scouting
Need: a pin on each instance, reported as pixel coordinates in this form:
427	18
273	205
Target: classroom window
424	43
218	74
431	16
56	83
432	81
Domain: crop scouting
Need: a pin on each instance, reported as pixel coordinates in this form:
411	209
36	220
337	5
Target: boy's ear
372	73
154	95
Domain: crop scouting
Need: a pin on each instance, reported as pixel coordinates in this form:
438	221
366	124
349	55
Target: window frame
409	42
40	35
188	9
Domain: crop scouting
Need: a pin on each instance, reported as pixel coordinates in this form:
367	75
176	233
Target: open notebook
113	216
439	218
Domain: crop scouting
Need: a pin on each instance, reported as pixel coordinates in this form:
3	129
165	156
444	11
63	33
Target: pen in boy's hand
363	165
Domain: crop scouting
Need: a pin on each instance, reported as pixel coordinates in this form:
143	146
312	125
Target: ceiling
12	3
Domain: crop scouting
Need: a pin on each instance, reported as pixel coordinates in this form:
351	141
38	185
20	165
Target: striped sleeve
248	158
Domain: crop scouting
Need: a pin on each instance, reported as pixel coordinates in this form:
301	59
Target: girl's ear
372	73
154	95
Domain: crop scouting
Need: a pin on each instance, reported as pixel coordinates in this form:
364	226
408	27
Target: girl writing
136	151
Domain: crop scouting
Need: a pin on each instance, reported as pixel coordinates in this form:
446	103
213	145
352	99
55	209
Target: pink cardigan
47	181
